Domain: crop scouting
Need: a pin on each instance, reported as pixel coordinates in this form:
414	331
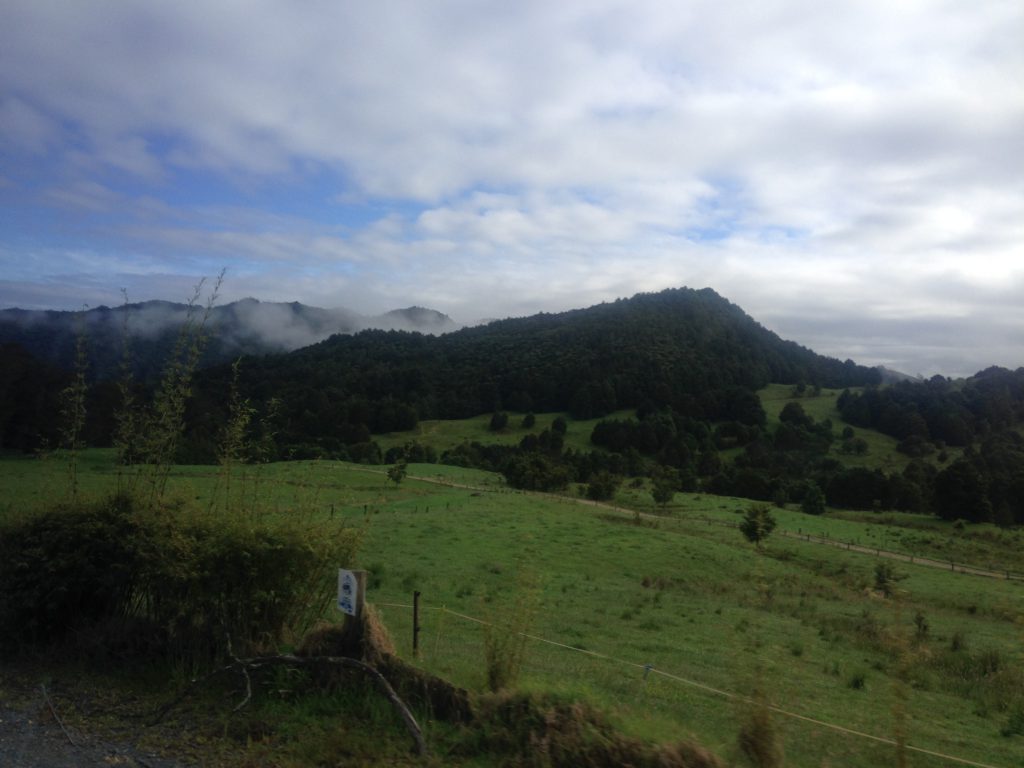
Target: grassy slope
882	453
443	435
798	621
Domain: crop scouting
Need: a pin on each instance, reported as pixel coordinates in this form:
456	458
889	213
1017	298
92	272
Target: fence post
416	624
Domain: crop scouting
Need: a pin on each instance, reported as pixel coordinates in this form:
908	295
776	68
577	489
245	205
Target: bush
813	502
602	486
757	737
499	420
68	568
136	580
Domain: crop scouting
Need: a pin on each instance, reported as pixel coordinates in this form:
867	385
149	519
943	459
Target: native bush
109	573
67	568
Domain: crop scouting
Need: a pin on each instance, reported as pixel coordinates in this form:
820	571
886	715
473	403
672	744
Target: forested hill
690	350
246	327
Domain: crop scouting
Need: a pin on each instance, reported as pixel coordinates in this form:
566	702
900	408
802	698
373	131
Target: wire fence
856	546
624	679
852	546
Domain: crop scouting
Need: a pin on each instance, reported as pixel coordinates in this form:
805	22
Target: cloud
800	158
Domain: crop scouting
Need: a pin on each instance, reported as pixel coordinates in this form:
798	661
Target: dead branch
56	717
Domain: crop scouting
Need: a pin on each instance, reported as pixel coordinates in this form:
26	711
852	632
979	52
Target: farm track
844	545
926	561
33	736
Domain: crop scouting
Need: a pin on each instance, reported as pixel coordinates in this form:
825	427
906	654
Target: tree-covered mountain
688	350
246	327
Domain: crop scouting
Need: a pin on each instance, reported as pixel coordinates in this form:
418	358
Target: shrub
921	627
602	486
886	578
161	582
1014	725
813	502
757	738
499	420
70	567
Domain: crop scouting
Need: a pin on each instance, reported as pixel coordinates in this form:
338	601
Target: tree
529	420
602	486
961	491
813	502
794	413
396	474
664	486
498	421
758	523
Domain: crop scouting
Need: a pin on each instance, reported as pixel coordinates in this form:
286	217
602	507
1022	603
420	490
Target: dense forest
685	364
688	350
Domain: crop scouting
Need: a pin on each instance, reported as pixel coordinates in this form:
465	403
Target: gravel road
31	737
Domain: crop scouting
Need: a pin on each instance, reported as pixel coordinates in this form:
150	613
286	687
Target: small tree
396	474
757	524
663	487
499	421
814	500
602	486
529	420
886	578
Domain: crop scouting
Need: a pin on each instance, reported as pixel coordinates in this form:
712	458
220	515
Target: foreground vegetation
902	652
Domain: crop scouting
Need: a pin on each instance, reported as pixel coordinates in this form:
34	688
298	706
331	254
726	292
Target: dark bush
108	570
66	569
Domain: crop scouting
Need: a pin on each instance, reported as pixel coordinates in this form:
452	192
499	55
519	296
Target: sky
851	174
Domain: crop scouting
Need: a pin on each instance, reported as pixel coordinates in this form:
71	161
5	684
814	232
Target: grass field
881	453
799	621
443	435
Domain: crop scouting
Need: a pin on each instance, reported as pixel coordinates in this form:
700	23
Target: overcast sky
851	173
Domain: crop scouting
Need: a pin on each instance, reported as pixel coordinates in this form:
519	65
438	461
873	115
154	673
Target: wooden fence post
416	624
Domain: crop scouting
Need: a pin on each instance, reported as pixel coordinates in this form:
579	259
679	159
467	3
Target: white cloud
806	159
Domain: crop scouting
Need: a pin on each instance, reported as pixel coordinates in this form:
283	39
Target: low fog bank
247	327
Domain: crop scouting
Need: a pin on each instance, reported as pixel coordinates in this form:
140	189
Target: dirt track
31	737
848	546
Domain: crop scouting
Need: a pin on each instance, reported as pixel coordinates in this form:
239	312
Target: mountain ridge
245	327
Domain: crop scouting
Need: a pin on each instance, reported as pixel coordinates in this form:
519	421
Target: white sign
348	592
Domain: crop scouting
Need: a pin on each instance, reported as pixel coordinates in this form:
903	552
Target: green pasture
674	589
881	453
442	434
445	434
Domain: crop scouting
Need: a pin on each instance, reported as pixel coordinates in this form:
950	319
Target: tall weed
504	637
162	425
73	410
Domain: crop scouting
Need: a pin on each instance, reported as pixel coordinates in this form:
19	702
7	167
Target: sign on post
348	592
